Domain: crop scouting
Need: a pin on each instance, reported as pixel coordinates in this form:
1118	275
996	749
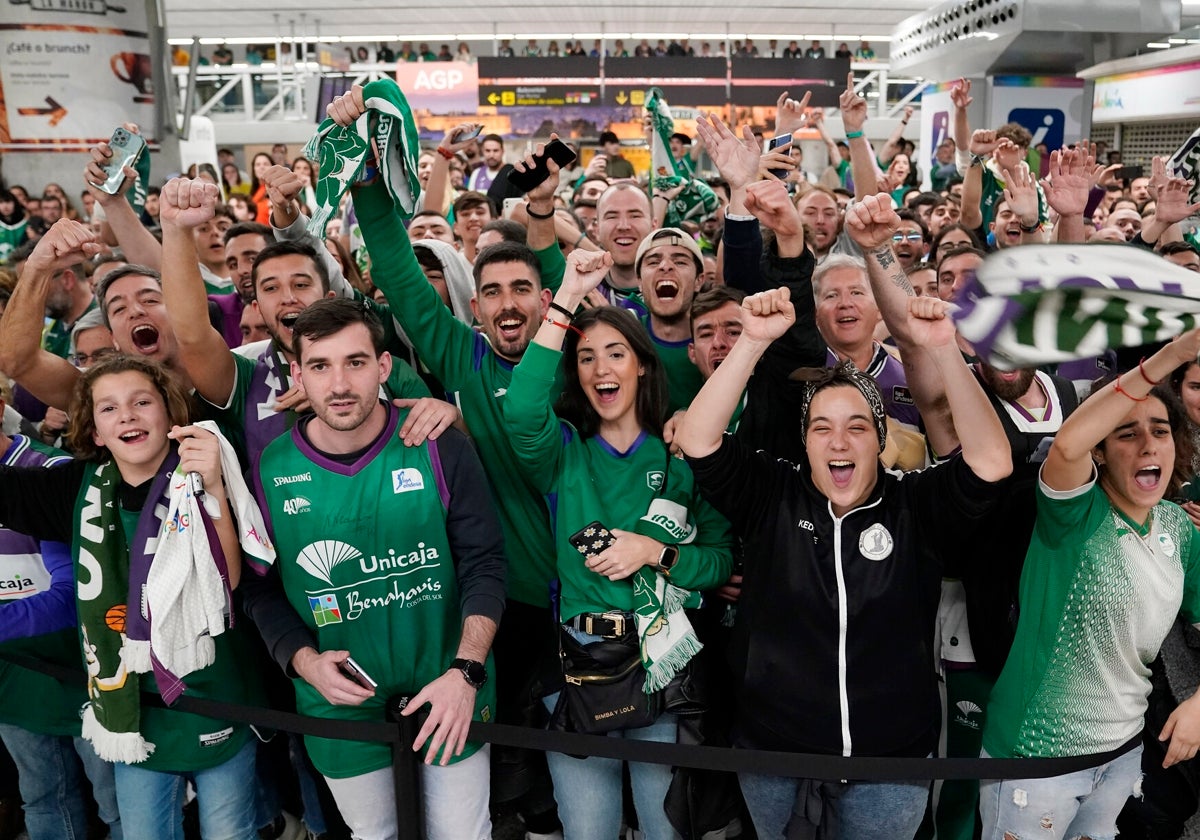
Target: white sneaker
557	835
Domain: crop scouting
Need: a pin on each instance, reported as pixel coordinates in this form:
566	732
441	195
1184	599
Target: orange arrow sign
53	110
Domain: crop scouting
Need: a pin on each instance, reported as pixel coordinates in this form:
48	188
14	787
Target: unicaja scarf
665	636
105	585
343	152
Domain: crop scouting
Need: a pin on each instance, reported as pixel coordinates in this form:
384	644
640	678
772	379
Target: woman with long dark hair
634	540
1108	569
258	187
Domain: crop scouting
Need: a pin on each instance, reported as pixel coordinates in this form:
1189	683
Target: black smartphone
774	143
354	671
1128	173
555	150
591	539
126	148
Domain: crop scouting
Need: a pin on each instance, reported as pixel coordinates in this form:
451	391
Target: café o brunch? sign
72	68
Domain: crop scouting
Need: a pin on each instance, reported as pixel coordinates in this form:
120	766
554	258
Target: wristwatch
667	559
473	672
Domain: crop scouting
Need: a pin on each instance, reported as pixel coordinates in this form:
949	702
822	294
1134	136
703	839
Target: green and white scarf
112	718
665	636
342	152
697	200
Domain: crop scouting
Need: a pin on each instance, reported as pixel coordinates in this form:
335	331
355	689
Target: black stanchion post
405	769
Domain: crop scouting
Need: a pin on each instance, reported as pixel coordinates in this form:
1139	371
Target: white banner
1162	93
71	72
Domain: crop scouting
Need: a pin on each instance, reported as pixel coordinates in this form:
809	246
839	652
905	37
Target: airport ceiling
248	21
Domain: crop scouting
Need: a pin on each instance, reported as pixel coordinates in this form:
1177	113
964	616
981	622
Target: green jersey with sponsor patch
365	560
642	489
1098	595
466	365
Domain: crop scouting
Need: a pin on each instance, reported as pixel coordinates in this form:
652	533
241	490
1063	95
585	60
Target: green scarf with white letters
344	155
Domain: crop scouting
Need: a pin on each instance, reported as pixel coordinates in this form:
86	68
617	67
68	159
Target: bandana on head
846	374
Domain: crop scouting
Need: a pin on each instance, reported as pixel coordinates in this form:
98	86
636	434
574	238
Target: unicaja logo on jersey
407	479
319	559
296	505
966	708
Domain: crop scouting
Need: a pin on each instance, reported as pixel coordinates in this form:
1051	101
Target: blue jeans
588	790
152	802
1081	804
50	784
861	809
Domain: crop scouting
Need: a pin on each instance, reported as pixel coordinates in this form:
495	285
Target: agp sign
439	87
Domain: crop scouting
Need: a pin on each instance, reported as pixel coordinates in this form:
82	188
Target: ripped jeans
1081	804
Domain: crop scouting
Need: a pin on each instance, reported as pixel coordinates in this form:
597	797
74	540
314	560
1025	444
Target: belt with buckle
610	625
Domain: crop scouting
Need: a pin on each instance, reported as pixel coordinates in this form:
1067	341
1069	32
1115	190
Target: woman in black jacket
843	563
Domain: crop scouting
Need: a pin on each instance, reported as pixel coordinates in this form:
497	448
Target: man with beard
250	394
823	219
669	265
69	299
510	304
432	640
910	240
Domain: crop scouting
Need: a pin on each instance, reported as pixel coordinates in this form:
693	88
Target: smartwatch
667	559
473	672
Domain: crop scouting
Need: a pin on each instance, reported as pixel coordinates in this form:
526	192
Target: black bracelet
542	216
570	315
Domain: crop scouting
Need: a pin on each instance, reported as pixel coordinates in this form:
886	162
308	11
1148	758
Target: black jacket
818	589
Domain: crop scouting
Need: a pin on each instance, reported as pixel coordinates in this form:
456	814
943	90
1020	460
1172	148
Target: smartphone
354	671
126	147
468	134
557	151
511	204
591	539
1128	173
774	143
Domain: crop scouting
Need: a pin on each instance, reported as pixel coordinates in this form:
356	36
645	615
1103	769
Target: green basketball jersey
1098	595
365	560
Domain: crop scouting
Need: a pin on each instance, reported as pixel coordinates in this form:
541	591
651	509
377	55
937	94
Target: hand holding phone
465	133
126	147
352	670
591	539
555	150
773	144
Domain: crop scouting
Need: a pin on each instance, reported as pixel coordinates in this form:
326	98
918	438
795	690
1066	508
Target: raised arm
539	211
206	357
438	192
46	376
983	142
765	317
870	223
1021	194
984	445
1069	462
960	100
892	147
1170	209
1067	187
862	157
139	244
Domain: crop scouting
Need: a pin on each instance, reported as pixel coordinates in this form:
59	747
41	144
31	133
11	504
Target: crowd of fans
743	449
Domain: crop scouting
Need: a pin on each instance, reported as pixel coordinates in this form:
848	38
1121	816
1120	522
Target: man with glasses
910	240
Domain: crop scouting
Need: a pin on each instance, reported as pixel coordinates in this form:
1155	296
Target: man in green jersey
390	580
